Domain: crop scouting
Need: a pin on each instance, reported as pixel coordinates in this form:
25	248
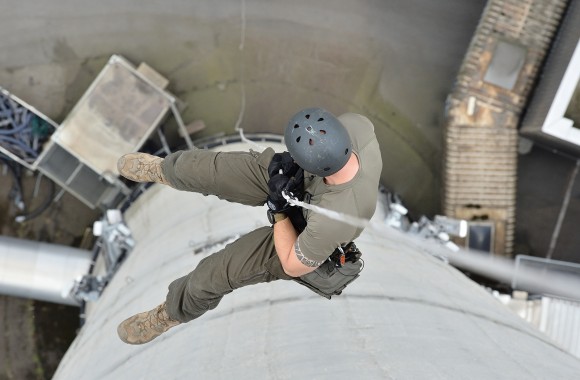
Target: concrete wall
394	61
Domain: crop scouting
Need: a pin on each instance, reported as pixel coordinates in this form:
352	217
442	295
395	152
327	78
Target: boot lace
153	168
155	319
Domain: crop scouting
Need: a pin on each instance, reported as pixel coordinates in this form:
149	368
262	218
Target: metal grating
560	320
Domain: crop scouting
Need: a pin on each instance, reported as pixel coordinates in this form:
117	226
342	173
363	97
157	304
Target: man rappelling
334	163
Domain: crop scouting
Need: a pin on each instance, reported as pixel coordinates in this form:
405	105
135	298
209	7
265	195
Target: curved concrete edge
408	316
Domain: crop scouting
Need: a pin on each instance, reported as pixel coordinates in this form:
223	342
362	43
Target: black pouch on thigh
339	270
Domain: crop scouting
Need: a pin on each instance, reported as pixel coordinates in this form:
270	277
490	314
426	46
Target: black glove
276	201
278	183
295	185
285	175
282	163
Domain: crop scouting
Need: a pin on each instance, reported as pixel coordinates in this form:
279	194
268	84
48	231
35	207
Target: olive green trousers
240	177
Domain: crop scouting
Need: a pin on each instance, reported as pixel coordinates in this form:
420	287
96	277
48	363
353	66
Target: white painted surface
409	316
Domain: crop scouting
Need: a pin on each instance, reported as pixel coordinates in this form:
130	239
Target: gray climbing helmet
318	142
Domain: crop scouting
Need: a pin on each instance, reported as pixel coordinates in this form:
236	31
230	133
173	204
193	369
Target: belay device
339	270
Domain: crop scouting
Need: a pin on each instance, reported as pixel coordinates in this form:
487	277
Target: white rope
237	127
348	219
495	267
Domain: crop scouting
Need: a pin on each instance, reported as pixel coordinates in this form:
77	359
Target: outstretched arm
285	240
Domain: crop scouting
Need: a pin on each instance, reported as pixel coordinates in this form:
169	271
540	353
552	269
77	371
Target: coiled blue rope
21	131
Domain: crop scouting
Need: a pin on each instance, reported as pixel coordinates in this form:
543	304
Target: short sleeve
320	238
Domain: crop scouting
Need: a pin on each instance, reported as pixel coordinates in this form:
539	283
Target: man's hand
279	183
282	163
276	201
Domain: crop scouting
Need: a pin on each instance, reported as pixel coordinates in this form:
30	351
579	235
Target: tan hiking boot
144	327
141	167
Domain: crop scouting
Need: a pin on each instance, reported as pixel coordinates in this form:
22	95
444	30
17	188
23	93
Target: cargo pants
240	177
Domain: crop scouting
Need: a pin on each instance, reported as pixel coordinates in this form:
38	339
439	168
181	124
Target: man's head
318	142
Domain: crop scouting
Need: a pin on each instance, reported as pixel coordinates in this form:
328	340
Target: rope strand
496	267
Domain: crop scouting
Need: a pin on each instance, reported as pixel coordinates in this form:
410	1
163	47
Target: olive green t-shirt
358	197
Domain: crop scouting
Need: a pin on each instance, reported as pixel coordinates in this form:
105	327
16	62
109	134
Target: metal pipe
563	210
40	271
